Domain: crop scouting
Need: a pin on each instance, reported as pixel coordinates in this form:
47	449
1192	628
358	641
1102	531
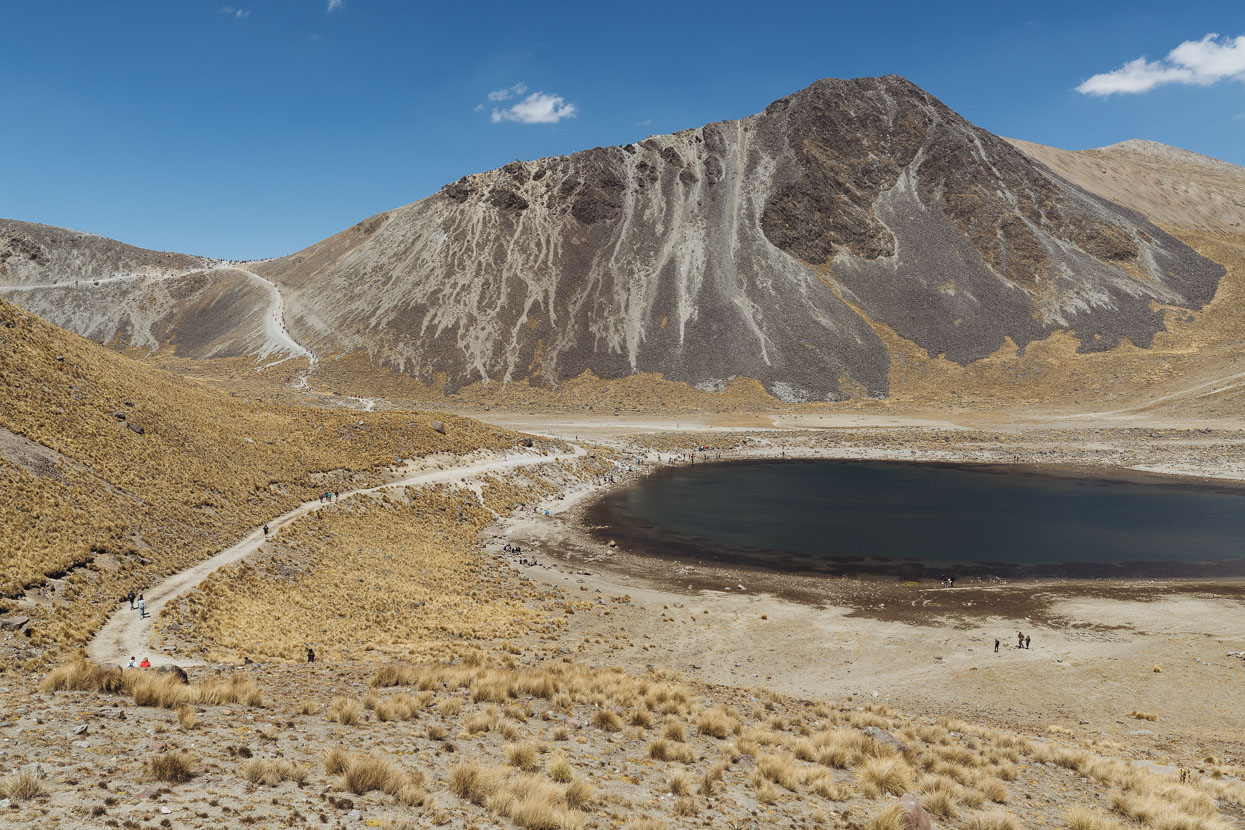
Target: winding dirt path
125	634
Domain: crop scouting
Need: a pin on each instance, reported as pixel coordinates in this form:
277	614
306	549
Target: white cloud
647	122
537	108
334	5
1200	62
238	14
509	92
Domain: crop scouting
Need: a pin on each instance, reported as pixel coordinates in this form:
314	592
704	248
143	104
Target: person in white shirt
132	664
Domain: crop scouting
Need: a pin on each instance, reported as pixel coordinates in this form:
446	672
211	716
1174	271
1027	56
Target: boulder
176	671
137	428
885	738
437	426
526	442
914	815
15	623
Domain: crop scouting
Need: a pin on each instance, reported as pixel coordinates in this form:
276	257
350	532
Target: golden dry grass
21	786
272	771
407	565
174	766
81	494
880	776
153	688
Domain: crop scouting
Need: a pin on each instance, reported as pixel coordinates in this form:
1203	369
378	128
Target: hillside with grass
114	474
559	744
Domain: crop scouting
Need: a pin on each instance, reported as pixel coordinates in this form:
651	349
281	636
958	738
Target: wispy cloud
507	93
1198	62
334	5
237	14
647	122
537	108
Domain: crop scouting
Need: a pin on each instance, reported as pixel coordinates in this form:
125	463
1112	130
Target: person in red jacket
146	664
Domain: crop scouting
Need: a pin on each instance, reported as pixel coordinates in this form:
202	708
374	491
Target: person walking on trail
142	607
311	655
1020	639
996	645
131	597
1026	642
265	528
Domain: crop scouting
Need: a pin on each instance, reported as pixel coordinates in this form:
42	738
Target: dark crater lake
922	520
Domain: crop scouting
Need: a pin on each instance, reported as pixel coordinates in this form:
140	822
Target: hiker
133	664
1026	642
311	655
146	664
1020	639
265	528
996	645
142	607
131	597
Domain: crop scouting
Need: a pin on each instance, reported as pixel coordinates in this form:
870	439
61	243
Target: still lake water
918	518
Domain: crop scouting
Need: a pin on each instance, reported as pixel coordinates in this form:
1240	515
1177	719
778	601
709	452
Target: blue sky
257	127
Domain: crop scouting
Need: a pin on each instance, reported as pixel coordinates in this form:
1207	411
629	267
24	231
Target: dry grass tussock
174	766
78	485
21	786
528	800
364	773
153	688
880	776
272	771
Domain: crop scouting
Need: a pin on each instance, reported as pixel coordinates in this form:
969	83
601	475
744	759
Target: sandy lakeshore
1099	648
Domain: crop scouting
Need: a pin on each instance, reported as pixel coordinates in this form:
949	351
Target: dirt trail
125	634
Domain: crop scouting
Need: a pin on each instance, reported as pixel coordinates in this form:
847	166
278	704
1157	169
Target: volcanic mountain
773	247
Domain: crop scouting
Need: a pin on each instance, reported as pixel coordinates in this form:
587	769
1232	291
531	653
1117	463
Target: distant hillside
1168	185
113	474
124	296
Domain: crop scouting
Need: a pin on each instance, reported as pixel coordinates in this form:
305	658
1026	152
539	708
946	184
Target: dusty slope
131	297
762	248
113	474
1168	185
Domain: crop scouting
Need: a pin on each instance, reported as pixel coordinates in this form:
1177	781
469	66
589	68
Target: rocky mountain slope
791	247
767	247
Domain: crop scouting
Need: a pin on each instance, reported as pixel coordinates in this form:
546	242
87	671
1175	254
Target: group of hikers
509	548
139	602
146	664
328	495
1022	641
